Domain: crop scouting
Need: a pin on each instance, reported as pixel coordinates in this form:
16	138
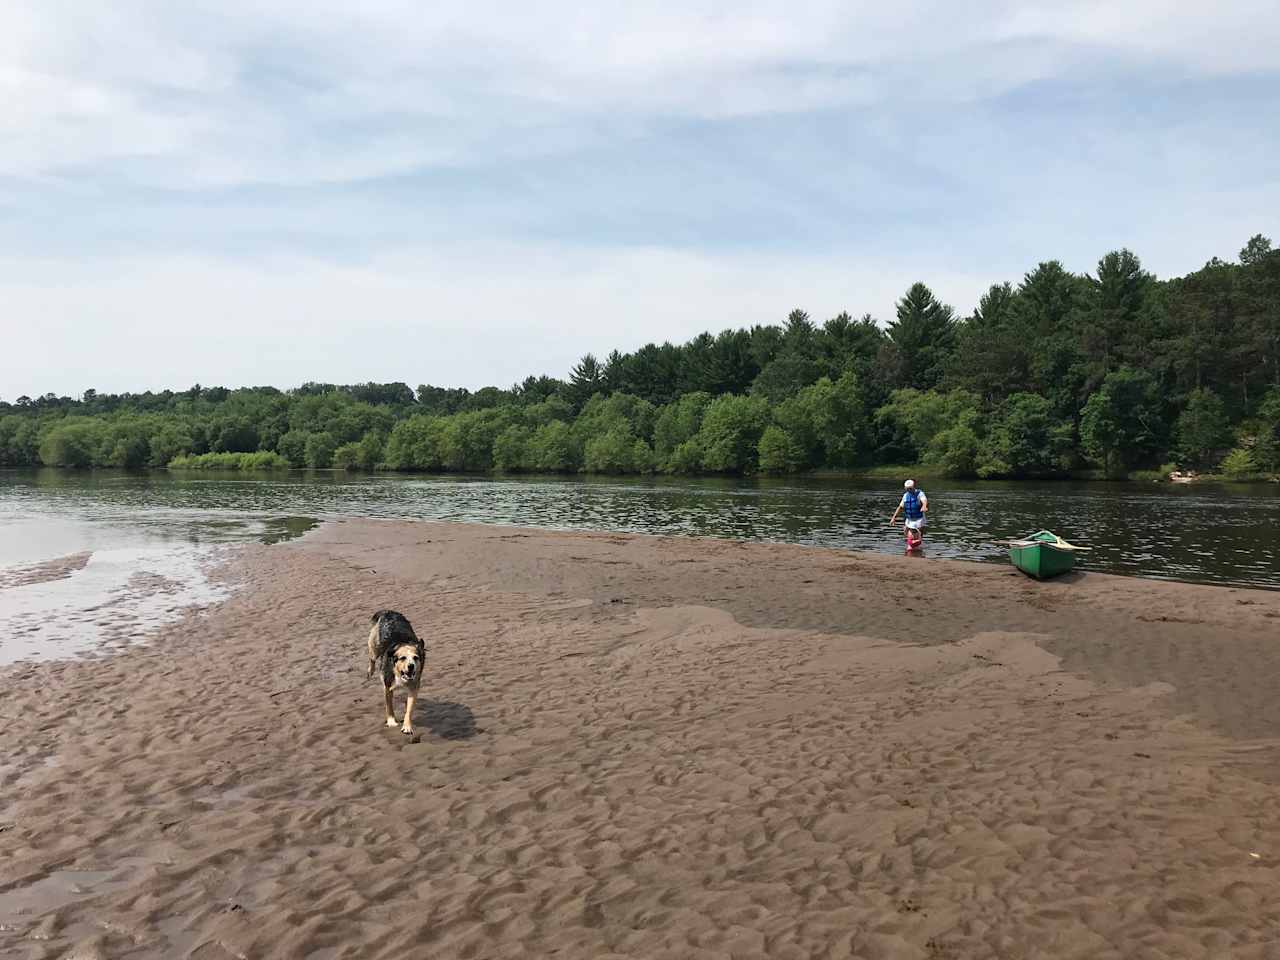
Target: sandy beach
652	747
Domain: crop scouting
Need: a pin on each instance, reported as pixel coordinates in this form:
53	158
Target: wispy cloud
200	145
299	92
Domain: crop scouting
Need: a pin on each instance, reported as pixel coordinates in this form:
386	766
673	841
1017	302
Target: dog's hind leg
391	714
373	645
408	712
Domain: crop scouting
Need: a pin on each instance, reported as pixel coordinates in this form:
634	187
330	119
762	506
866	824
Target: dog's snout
410	668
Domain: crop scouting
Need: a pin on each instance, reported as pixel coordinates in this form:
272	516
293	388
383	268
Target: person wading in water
915	505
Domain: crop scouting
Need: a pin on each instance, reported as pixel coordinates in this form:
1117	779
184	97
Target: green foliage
1120	422
657	373
511	449
236	435
129	451
261	460
1202	429
19	441
617	452
686	458
170	441
620	411
941	427
612	433
730	434
1102	432
992	351
779	451
954	451
347	457
415	444
1024	440
585	380
74	443
371	446
1239	464
924	333
362	454
477	440
547	411
796	362
677	424
1114	367
827	422
551	449
293	447
1122	314
466	439
1266	440
320	449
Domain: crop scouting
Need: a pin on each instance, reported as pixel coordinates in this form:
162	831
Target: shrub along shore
1113	373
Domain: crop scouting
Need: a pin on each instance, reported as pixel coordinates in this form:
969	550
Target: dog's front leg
391	714
408	712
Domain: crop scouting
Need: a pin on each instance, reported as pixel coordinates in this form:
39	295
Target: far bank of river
1201	532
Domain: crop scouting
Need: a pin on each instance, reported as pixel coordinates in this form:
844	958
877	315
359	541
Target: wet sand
654	747
47	571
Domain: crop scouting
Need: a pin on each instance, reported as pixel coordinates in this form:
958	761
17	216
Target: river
159	528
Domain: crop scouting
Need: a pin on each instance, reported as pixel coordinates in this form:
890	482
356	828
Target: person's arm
894	518
924	503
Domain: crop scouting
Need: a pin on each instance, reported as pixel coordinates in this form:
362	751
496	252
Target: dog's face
406	663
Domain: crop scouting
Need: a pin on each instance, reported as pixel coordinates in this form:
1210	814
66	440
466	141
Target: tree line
1113	372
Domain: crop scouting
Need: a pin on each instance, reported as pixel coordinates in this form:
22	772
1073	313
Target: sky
464	194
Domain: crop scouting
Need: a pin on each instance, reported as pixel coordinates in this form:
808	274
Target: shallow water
147	561
152	535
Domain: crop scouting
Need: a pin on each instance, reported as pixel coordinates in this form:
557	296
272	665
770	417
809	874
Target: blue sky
466	193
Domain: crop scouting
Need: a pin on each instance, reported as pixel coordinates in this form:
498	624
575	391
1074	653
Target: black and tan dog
393	642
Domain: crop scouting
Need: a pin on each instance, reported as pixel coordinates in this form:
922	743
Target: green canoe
1042	555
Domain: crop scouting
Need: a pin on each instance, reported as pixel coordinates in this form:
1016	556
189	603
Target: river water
150	537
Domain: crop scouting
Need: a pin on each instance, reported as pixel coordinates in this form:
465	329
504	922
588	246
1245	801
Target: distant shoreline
894	473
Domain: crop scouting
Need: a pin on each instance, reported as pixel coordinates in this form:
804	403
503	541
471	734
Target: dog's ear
377	614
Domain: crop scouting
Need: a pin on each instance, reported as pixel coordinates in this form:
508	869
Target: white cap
909	484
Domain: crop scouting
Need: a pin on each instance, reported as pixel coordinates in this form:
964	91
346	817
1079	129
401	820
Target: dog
402	654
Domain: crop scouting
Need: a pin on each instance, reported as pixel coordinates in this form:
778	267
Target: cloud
469	317
200	94
467	192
